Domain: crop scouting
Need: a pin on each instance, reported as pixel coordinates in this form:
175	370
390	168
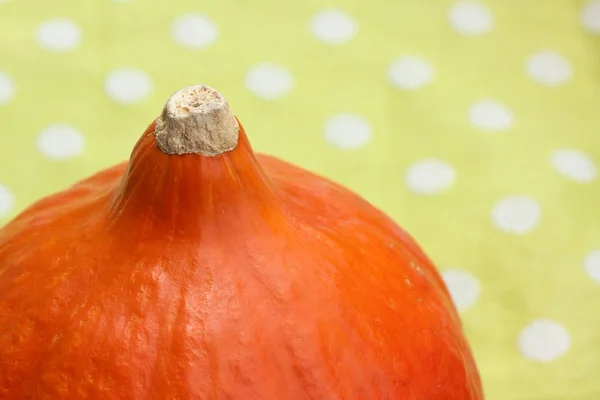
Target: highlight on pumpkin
200	270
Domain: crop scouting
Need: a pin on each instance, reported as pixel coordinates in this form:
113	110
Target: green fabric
473	124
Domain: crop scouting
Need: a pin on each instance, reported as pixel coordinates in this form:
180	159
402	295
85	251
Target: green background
525	272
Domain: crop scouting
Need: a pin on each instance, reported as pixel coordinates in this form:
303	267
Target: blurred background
474	124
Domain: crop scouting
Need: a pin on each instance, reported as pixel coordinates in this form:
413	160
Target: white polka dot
429	176
333	27
549	68
60	141
410	73
196	31
7	88
490	115
591	265
128	85
59	35
590	16
471	18
543	340
7	201
516	214
269	81
463	286
575	165
347	131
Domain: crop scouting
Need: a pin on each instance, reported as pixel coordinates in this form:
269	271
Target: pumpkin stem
197	120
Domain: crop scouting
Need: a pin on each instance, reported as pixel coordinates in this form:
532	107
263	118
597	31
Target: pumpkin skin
237	276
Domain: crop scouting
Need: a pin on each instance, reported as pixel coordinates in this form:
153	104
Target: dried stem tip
197	120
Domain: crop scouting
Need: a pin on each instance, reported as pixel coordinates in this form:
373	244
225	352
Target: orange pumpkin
201	271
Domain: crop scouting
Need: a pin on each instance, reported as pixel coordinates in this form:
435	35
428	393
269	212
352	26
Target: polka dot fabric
474	124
